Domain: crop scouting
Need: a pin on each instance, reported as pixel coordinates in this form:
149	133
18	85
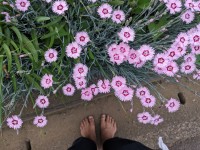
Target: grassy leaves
1	90
29	47
9	56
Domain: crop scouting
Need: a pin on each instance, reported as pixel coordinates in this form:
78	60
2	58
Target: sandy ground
180	130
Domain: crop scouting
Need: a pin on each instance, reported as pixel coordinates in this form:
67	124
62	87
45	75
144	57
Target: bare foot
108	127
87	128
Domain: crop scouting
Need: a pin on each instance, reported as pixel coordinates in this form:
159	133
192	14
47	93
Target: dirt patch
63	126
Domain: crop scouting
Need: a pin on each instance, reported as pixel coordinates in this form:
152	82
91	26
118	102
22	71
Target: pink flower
42	101
7	16
191	31
118	16
105	11
47	81
171	69
60	7
94	89
40	121
80	82
160	60
144	117
182	39
197	75
195	38
22	5
104	86
190	4
127	34
156	120
172	54
197	6
188	68
51	55
146	52
86	94
14	122
112	48
73	50
142	92
174	6
190	58
133	56
68	90
195	49
124	49
179	48
80	70
139	63
158	70
116	57
82	38
188	17
173	105
125	94
148	101
118	82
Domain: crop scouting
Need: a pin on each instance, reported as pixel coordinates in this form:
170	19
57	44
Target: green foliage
24	41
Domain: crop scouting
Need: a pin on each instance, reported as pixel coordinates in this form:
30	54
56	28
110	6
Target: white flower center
74	50
127	34
161	60
68	89
60	7
170	68
118	83
105	11
125	93
148	100
82	38
42	101
173	6
116	57
40	120
187	67
187	16
48	81
80	70
51	55
22	4
145	53
172	104
118	16
14	122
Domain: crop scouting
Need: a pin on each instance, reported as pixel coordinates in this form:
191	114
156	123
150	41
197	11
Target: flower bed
96	47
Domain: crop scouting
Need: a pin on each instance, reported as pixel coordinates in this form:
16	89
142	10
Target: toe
91	120
82	124
112	121
115	125
109	119
103	120
85	121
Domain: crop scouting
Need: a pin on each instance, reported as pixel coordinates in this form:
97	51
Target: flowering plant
47	45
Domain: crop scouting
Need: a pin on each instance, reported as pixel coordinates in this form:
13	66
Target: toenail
103	116
91	117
